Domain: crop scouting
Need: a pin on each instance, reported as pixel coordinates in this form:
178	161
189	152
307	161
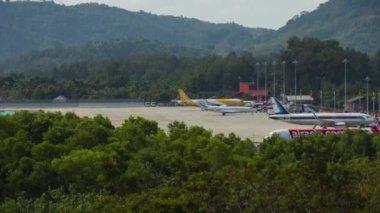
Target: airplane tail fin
376	128
203	104
185	99
182	96
278	107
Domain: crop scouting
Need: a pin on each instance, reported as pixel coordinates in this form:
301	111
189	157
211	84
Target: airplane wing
325	123
328	123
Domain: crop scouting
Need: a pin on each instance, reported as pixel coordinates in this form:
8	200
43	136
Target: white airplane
184	99
225	109
321	119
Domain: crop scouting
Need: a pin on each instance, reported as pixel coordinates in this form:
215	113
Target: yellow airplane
185	100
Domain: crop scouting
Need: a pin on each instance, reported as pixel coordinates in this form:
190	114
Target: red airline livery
300	133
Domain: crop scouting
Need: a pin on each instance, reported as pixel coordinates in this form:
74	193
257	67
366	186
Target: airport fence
160	104
84	103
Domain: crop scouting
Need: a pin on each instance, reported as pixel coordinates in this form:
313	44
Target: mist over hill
37	25
355	24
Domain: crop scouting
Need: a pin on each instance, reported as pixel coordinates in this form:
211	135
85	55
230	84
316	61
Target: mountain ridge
355	24
39	25
30	25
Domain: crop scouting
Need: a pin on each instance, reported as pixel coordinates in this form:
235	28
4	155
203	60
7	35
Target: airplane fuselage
321	119
185	100
229	109
216	102
224	109
347	119
289	134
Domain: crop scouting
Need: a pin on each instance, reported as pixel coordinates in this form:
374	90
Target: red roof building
250	88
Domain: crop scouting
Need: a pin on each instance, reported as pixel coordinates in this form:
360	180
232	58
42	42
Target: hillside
36	25
355	24
46	59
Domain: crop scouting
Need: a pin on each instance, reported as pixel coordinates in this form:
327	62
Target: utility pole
266	89
295	62
367	79
373	103
334	101
378	106
274	63
300	94
258	80
283	81
345	61
321	98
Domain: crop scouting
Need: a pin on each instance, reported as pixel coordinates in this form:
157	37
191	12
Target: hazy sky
251	13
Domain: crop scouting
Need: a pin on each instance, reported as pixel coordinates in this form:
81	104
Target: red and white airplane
289	134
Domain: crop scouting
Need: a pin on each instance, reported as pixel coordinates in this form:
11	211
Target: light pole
334	101
274	63
283	81
295	62
345	61
373	103
258	80
321	98
266	67
378	104
367	79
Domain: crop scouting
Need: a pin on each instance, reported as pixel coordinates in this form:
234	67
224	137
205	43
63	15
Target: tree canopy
59	162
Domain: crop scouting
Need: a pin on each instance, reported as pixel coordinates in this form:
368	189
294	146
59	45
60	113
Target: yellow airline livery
185	100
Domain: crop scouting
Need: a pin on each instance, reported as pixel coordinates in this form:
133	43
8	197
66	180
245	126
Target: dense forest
36	61
355	24
26	25
53	162
85	72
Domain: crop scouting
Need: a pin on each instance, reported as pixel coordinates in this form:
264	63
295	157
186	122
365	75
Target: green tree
85	169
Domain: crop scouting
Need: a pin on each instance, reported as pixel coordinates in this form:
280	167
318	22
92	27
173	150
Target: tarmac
245	125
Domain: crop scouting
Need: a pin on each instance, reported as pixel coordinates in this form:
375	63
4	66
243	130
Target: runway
245	125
